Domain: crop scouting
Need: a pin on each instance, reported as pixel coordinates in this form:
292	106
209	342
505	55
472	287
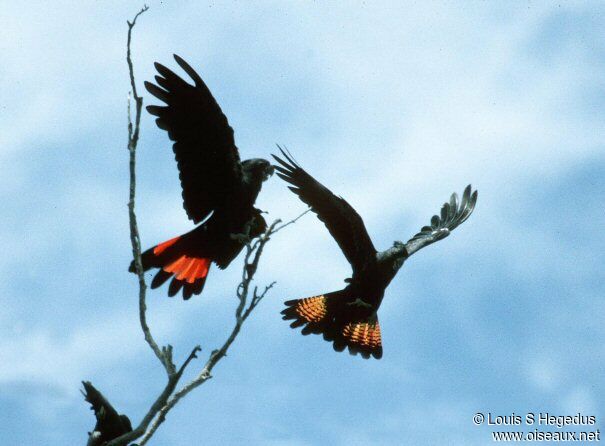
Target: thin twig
254	251
291	222
256	298
133	139
164	354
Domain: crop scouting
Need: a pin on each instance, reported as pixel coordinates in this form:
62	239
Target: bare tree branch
165	353
168	398
133	139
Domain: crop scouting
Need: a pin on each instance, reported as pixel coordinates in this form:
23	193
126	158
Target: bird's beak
269	172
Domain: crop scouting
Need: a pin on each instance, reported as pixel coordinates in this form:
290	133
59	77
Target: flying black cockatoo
109	425
214	181
348	317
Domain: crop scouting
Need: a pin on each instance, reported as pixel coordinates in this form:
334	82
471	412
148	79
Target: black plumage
219	190
348	317
110	424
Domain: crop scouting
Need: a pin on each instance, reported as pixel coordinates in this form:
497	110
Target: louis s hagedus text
542	418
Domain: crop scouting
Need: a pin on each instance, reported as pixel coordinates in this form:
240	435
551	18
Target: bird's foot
250	270
242	238
360	303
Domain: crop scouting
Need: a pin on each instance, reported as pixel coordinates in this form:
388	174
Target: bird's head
258	168
398	244
399	249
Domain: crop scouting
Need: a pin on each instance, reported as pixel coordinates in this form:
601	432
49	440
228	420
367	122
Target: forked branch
246	304
165	353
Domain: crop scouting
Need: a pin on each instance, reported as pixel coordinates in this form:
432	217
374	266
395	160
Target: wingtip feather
189	70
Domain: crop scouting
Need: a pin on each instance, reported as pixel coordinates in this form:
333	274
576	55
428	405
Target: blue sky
393	105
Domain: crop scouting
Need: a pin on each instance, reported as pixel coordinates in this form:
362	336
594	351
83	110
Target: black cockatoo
109	425
214	181
348	317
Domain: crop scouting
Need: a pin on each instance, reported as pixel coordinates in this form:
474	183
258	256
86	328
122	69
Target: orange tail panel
365	334
188	272
163	246
312	309
189	269
363	337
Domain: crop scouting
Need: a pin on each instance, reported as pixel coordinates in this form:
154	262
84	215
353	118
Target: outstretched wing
109	424
343	222
452	215
208	160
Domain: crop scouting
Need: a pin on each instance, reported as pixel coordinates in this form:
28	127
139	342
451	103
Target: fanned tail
188	272
325	314
363	337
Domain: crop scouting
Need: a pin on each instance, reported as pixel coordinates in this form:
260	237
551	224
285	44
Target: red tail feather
174	260
188	268
163	246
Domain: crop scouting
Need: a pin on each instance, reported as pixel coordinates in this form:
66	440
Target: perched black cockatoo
109	425
348	317
214	181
